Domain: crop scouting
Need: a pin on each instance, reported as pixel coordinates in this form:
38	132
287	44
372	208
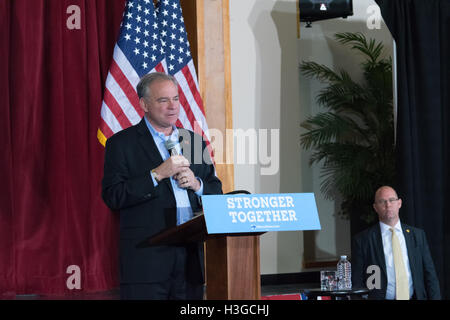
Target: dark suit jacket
367	249
145	210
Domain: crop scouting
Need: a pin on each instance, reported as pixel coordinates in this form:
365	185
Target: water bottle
344	274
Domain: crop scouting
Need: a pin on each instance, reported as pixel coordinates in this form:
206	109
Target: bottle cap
343	257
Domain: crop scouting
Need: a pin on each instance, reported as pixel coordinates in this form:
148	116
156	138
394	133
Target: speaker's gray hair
143	87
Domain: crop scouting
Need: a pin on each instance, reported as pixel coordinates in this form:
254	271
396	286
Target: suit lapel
148	144
409	240
379	249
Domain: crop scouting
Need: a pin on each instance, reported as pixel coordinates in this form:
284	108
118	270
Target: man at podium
149	179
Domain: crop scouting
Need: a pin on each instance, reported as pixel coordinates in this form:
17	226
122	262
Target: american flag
151	39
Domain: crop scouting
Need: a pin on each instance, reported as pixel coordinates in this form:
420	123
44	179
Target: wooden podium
232	260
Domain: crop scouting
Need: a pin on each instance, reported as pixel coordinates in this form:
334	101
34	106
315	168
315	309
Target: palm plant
355	137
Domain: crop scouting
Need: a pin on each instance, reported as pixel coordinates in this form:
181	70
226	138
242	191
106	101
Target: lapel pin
407	230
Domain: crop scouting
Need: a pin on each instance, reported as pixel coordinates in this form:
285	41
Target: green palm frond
345	169
370	48
320	72
354	140
341	95
329	127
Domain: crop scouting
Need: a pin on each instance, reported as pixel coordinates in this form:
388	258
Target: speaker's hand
187	180
171	167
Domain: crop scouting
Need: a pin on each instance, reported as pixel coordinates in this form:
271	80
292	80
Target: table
350	294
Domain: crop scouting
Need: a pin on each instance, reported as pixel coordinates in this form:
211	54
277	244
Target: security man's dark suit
367	250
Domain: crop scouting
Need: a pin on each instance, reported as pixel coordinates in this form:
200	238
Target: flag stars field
152	38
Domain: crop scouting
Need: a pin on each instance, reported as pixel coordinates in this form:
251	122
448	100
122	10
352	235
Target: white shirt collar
385	228
173	136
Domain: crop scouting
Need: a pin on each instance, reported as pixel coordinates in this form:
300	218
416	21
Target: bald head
387	205
385	189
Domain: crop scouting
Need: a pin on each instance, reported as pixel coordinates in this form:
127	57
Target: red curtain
51	164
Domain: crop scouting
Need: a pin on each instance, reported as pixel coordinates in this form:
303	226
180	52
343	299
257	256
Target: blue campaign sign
242	213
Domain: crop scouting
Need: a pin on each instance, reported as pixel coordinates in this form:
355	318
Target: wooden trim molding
200	13
227	64
214	72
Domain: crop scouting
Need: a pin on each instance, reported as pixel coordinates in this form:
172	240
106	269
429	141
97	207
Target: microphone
172	147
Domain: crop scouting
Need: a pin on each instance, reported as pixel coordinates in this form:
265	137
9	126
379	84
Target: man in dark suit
154	190
400	252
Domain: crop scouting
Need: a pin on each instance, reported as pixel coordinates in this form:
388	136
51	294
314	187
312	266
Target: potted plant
353	138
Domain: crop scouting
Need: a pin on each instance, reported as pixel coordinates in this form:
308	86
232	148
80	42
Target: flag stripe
189	115
195	112
127	68
120	99
104	128
183	120
116	110
110	119
193	86
191	67
196	128
160	68
126	87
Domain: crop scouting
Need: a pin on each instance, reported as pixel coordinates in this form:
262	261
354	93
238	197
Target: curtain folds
51	88
420	29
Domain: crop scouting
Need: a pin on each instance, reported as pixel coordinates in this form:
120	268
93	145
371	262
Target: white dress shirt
386	236
184	210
